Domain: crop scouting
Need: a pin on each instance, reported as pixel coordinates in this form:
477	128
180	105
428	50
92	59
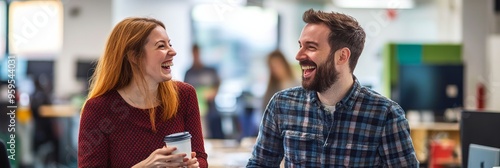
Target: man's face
318	65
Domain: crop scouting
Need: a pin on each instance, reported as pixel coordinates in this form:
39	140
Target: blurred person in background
133	103
280	75
206	81
46	130
332	121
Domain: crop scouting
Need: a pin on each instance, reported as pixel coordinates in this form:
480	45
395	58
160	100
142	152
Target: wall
493	53
86	27
493	58
432	21
289	17
471	22
85	34
477	24
176	17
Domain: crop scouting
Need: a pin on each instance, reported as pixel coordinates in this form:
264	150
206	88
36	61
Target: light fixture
383	4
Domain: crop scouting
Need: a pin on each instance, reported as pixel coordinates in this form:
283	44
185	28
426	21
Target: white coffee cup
181	140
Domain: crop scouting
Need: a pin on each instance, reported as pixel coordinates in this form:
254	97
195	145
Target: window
236	40
35	28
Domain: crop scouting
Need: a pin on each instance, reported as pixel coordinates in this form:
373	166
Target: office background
61	38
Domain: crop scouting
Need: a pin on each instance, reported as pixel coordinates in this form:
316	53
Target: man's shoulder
369	102
373	97
293	91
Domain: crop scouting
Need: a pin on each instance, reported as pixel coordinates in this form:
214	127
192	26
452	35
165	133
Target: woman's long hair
274	82
122	60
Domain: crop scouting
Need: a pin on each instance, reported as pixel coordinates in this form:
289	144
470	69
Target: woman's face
159	56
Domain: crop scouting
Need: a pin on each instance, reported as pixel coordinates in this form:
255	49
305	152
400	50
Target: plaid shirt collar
347	102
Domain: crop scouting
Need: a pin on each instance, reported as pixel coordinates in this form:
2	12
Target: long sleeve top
116	134
365	130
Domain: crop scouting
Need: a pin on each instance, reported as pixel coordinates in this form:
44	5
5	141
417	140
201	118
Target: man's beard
325	77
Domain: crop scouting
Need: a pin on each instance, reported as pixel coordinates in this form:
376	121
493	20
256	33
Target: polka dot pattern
115	134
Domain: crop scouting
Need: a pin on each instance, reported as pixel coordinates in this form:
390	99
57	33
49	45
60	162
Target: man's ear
344	55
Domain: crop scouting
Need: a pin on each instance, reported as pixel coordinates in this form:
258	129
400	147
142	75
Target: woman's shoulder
98	107
104	98
183	86
185	91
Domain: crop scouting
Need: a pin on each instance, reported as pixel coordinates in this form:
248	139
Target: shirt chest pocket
357	155
301	147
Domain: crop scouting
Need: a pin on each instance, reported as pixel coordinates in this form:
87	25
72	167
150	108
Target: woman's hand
193	162
163	158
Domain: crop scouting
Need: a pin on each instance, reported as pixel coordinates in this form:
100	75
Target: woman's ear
132	57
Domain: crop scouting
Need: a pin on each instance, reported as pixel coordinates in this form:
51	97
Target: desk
66	120
422	133
57	110
228	153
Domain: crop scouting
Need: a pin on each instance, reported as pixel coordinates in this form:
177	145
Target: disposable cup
181	140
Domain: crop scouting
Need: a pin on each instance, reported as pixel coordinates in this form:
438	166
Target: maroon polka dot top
115	134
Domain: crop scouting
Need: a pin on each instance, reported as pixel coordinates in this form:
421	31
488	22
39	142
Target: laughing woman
133	103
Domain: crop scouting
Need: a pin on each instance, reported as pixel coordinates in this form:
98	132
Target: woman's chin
166	78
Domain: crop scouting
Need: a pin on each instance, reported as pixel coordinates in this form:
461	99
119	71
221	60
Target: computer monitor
85	69
38	68
430	87
478	127
481	156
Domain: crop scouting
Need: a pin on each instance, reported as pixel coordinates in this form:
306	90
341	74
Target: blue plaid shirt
366	130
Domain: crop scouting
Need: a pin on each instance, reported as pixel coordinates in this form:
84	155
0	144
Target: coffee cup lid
177	137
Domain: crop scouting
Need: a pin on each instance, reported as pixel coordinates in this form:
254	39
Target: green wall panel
442	54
